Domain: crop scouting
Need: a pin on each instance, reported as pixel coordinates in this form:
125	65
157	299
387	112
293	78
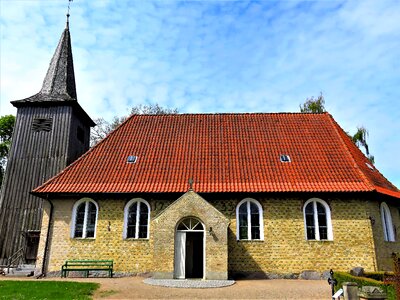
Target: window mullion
137	220
85	219
386	225
248	221
317	237
148	221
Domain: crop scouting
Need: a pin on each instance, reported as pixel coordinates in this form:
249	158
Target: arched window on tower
317	220
388	229
249	220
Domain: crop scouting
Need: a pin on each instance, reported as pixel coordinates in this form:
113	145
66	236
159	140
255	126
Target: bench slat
91	264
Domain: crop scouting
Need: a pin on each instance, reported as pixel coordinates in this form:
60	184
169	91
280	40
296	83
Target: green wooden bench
86	266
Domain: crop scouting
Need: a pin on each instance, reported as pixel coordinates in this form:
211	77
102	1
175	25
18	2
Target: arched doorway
189	249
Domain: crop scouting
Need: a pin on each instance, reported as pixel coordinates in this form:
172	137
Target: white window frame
316	223
73	223
387	223
126	213
261	220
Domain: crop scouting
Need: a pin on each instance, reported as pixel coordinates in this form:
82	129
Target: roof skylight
285	158
131	159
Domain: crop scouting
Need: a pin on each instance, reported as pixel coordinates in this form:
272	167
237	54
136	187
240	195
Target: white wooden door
180	254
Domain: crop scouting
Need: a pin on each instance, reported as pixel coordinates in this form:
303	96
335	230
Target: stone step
20	271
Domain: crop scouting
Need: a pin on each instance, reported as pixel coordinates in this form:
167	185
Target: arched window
249	220
317	220
136	219
84	219
387	223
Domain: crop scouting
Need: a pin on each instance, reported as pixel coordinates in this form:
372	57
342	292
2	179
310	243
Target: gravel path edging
189	284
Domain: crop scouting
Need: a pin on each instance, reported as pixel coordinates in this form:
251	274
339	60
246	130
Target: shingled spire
59	83
60	77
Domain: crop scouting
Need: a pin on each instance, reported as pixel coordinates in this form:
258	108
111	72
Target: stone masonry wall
216	243
283	250
384	249
129	255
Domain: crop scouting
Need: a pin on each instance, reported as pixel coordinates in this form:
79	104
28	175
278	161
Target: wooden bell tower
51	131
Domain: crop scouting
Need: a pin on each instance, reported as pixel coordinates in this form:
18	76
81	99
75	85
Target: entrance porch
191	240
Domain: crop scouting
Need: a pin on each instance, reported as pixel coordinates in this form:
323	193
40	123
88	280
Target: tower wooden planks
51	131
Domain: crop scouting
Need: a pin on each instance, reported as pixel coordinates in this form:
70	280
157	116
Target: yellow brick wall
383	248
284	249
129	255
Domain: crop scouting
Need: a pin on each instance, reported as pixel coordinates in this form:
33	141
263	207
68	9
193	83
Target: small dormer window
285	158
131	159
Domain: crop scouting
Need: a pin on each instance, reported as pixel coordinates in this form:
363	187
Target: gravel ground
196	284
134	288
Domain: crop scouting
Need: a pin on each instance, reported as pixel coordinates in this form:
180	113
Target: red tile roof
223	153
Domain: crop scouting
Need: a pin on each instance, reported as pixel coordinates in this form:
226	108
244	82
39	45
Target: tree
152	109
360	139
317	105
313	105
6	129
103	127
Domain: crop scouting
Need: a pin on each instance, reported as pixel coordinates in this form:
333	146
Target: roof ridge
340	130
230	113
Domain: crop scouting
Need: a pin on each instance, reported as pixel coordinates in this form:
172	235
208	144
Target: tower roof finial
69	3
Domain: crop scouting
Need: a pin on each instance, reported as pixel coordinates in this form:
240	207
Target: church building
206	196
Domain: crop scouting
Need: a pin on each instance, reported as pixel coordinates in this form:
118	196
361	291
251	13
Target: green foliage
313	105
342	277
360	139
6	129
378	275
103	127
10	289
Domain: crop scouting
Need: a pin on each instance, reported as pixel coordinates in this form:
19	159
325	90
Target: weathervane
69	3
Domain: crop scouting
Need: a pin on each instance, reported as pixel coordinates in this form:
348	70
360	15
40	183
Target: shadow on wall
241	264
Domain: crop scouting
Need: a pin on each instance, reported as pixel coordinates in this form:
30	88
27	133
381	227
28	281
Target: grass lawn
11	289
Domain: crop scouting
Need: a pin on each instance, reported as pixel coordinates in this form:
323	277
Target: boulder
310	275
357	271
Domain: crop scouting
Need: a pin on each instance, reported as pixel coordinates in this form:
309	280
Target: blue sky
217	56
